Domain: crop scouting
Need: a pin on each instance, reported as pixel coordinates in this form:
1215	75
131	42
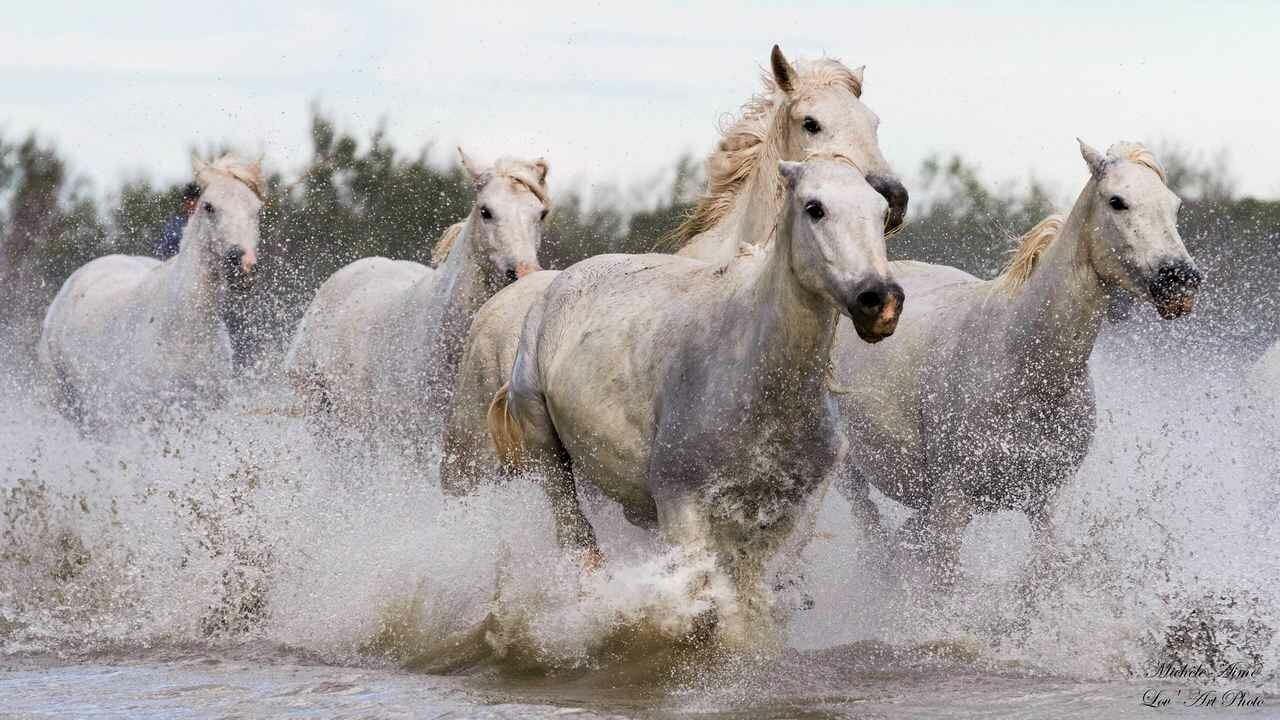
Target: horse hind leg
526	440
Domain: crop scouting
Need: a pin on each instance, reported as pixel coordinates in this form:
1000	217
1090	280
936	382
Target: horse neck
795	327
194	280
1057	315
451	295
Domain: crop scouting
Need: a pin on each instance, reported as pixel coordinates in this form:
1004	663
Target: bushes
354	199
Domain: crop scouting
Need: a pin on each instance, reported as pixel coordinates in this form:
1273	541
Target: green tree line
363	196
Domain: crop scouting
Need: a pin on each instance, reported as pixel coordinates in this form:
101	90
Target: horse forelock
750	141
1028	251
522	173
248	174
1137	153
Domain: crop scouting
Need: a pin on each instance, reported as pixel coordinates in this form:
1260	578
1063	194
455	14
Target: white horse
806	108
379	343
127	333
694	393
984	400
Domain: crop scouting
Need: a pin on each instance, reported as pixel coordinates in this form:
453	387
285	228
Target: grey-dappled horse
693	393
806	108
983	399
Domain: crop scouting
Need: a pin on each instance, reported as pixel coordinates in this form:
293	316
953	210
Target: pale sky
612	93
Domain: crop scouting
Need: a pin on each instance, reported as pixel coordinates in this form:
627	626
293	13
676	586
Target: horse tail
508	435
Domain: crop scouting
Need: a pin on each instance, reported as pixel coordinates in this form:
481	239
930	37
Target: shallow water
232	566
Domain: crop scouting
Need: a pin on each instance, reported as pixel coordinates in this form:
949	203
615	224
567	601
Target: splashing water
239	539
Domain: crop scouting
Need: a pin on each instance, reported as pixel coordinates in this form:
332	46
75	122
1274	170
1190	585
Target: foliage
357	198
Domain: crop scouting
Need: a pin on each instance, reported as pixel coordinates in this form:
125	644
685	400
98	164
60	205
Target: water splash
240	527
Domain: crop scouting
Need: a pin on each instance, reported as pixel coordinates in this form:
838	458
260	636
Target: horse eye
208	207
811	126
484	212
1117	203
814	209
543	216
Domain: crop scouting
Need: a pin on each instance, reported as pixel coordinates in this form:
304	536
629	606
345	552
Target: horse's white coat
379	343
130	333
743	199
983	397
694	394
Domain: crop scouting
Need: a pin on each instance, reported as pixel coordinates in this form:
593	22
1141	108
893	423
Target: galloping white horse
128	332
382	337
984	400
811	107
694	393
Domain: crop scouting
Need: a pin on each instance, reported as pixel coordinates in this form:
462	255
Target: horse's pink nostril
523	269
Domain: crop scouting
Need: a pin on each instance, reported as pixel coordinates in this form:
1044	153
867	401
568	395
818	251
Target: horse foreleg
1046	558
866	517
935	535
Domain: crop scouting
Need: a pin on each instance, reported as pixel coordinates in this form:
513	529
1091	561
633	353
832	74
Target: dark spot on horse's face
814	210
1117	203
485	212
811	126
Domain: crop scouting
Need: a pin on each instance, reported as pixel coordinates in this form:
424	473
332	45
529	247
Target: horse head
836	222
1132	225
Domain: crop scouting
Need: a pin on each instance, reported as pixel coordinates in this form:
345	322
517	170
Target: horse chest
758	475
1016	445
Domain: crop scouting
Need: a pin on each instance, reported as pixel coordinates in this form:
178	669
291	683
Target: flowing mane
1027	254
751	141
529	175
249	173
445	243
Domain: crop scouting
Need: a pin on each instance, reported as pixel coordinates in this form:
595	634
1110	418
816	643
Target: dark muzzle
234	266
875	309
896	194
1173	291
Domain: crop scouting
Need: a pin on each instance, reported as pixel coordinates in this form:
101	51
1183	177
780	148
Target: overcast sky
612	92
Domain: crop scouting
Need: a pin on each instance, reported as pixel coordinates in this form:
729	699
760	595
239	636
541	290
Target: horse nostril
1178	276
233	258
871	300
511	276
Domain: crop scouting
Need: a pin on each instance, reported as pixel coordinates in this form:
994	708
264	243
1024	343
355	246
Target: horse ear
790	171
542	167
1092	158
468	165
857	76
783	73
